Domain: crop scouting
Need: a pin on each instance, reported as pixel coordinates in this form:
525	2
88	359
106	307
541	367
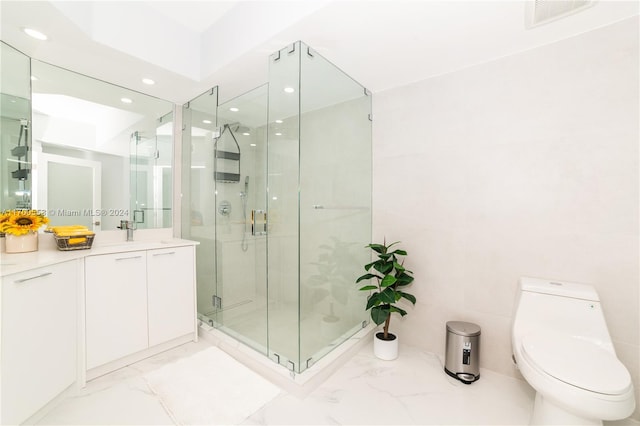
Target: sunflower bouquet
21	222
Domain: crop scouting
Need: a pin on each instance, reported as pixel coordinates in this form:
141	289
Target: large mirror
15	135
101	153
87	152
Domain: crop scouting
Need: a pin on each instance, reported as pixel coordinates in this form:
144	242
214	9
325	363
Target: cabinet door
170	280
39	338
116	306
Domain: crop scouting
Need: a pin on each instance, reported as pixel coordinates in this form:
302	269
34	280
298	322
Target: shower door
224	179
240	149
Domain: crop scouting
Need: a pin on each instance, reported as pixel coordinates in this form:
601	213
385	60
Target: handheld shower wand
243	196
246	187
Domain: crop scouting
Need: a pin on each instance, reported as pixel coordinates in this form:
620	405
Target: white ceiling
189	46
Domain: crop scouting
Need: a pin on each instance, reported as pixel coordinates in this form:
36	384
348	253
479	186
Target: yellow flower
21	222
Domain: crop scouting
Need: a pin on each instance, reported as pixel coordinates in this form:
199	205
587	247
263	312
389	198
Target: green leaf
388	295
400	252
369	265
367	277
373	300
404	279
378	248
387	281
398	310
383	267
410	297
379	314
368	287
398	267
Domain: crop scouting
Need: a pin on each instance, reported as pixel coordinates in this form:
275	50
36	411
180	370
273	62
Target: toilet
562	347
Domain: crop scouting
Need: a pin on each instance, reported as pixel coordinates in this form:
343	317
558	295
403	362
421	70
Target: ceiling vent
540	12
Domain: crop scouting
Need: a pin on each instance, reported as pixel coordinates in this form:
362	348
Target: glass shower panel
335	203
151	175
240	153
198	197
163	173
283	169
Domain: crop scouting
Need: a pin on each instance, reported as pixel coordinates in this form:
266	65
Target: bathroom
481	177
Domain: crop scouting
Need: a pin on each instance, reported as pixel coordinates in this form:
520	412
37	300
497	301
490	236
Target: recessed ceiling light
34	78
279	121
206	121
289	89
278	134
126	100
252	144
35	34
247	134
148	81
234	109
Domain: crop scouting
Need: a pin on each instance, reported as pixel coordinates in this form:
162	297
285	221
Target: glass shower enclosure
279	196
150	162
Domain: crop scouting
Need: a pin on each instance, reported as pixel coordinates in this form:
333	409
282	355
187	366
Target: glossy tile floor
413	390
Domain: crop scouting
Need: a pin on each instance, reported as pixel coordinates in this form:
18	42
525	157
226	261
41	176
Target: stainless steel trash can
462	357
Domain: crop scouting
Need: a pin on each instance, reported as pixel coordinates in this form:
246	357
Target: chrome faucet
129	226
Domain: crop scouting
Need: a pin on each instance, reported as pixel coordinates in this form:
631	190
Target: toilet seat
577	362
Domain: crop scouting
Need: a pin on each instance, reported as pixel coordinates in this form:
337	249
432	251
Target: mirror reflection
15	114
101	153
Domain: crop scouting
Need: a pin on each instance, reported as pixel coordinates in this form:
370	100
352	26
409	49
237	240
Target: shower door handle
258	222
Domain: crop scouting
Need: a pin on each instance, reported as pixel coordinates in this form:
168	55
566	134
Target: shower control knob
224	208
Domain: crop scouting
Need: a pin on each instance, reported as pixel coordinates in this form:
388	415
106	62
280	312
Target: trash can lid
463	328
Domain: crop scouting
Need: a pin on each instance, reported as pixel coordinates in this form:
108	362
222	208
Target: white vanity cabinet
39	338
171	293
116	306
137	301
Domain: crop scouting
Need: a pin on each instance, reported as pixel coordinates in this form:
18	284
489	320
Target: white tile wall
527	165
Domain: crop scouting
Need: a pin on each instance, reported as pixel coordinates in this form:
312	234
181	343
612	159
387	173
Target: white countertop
48	254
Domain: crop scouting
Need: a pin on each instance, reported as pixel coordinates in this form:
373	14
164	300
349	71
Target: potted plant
390	280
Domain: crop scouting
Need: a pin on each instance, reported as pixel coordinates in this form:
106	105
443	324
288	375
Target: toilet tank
561	307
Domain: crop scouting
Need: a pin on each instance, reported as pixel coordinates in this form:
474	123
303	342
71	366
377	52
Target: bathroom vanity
70	316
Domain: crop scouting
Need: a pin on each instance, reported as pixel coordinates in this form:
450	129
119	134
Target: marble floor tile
412	390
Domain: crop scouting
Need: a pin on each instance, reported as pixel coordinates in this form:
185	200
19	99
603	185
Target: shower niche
290	161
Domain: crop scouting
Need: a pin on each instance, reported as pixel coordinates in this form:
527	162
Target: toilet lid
577	362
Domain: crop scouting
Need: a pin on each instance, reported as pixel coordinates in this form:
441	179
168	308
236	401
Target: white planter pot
21	243
385	349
